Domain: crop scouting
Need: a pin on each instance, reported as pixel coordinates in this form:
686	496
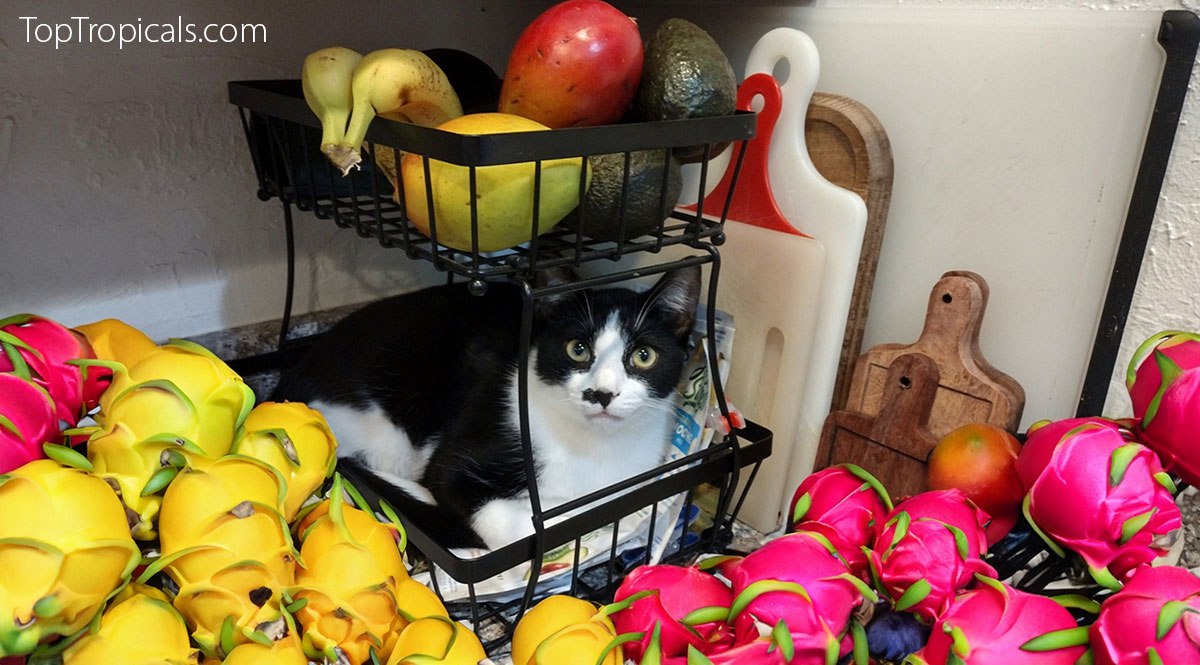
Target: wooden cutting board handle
970	388
894	444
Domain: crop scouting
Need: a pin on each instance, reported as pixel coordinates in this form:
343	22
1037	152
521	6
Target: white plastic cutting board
838	219
1016	135
771	282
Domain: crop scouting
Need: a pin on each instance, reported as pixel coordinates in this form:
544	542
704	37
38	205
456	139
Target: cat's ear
677	295
549	278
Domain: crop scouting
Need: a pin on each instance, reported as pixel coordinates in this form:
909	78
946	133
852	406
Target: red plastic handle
753	203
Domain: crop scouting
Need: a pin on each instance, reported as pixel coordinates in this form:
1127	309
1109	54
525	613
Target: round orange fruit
980	459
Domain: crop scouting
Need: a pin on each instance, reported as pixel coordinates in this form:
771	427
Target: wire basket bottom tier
711	495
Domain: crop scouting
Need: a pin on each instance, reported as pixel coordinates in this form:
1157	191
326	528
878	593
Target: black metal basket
283	137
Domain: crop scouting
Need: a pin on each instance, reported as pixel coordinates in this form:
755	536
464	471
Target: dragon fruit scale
65	549
139	626
27	420
283	649
677	593
1106	499
47	351
226	546
1154	618
931	547
849	502
294	439
349	584
995	624
801	581
1163	380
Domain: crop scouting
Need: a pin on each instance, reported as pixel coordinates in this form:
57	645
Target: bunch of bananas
346	90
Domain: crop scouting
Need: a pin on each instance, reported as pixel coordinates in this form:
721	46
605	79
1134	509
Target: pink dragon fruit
851	505
1043	436
1164	385
45	349
1155	618
690	606
799	580
1105	498
27	421
776	648
998	625
929	550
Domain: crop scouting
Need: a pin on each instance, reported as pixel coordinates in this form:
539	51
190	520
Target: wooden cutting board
970	389
895	443
850	147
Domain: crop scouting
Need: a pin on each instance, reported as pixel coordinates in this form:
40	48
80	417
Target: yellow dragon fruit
346	588
294	439
139	626
226	545
437	641
284	650
65	549
115	340
179	405
220	397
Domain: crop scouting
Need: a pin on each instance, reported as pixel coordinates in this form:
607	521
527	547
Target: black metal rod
289	234
528	298
1179	35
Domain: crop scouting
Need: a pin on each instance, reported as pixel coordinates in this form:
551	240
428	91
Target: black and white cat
422	390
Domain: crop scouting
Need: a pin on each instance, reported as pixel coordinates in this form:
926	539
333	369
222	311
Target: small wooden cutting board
970	389
894	444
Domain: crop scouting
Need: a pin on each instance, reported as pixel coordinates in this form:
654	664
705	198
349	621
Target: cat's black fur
440	362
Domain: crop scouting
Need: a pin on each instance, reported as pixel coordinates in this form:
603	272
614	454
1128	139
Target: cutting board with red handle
970	388
837	218
893	444
770	280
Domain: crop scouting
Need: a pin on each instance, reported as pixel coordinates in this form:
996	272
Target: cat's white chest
576	456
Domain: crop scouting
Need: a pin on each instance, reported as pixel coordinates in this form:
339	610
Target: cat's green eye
578	351
644	357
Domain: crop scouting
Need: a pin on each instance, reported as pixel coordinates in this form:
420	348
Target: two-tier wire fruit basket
708	485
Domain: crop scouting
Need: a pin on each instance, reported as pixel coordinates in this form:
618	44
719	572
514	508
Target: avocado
684	75
645	205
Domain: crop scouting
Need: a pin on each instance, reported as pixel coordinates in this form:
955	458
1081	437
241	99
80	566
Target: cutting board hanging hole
781	70
905	383
768	375
947	298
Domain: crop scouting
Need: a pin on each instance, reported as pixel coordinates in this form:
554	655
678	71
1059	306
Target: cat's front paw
503	521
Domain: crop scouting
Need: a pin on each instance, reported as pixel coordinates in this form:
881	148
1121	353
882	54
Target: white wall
126	189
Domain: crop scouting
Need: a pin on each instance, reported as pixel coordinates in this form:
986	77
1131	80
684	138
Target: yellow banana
326	77
399	84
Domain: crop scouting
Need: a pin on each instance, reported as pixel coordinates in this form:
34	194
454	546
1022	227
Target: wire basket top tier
283	136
